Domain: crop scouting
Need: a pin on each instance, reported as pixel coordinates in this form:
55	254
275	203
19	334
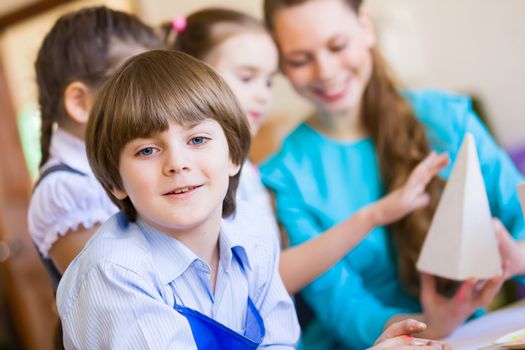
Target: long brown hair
78	48
143	96
400	143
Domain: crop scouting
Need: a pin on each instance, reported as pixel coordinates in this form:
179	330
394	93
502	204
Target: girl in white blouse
75	58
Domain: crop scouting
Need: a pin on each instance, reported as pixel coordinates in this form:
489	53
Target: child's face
248	63
325	52
177	179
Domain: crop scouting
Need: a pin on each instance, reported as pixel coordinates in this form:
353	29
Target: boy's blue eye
148	151
199	140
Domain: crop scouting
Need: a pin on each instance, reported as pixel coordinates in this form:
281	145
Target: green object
28	123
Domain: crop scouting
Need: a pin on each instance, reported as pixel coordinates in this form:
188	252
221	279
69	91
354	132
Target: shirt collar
69	149
172	258
232	246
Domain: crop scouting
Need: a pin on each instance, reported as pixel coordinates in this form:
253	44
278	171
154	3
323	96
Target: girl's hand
406	342
411	195
398	337
512	252
443	315
404	327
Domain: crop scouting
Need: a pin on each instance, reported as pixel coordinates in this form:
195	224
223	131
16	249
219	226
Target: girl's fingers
421	201
490	290
428	288
405	327
506	265
498	226
392	343
421	171
464	294
428	168
474	294
422	343
438	163
417	347
441	162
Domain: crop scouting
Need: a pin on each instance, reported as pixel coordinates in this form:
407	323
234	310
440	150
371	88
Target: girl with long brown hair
362	142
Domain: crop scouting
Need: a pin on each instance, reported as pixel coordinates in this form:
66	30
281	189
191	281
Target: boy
166	138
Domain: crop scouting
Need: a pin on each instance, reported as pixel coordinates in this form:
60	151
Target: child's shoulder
67	190
116	243
444	115
62	201
437	96
117	256
62	185
299	140
435	105
296	147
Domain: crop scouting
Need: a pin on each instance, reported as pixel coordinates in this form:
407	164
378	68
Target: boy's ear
233	168
78	100
367	27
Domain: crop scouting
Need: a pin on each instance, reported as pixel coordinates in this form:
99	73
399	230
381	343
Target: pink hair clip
179	23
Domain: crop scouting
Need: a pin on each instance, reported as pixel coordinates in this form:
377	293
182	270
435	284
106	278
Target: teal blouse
319	182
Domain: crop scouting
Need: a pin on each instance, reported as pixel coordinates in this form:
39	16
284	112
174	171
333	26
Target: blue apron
212	335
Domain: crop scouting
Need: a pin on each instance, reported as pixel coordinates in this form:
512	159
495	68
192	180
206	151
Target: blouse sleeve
62	202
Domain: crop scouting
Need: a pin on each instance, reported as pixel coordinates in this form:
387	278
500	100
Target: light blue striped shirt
120	291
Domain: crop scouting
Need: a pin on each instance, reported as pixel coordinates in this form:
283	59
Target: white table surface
485	330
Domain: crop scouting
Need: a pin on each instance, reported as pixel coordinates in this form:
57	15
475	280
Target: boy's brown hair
143	96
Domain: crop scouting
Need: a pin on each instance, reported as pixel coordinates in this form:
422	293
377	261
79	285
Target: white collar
69	149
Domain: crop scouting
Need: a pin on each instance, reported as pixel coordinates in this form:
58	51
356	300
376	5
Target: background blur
474	47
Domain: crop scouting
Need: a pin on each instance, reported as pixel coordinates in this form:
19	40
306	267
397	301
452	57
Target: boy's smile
178	192
177	179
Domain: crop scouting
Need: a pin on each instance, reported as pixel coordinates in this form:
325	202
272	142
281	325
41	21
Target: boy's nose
177	162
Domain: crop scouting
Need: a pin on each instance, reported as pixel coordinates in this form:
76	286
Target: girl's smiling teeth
333	91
